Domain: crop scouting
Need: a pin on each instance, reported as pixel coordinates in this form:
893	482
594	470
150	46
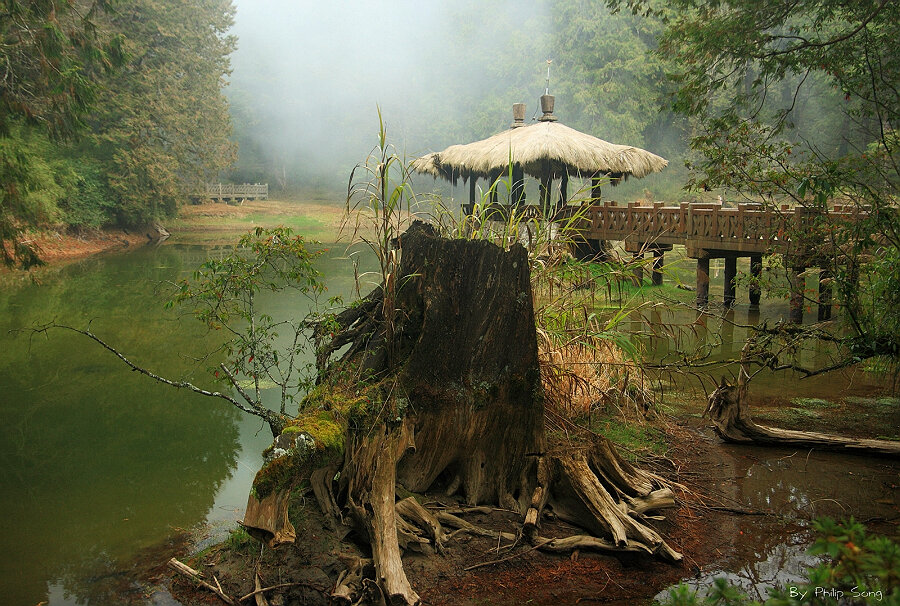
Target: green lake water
102	469
98	463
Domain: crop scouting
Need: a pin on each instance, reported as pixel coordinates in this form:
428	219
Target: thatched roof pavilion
546	150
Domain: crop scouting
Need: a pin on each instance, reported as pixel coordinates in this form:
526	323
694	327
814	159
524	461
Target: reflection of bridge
195	255
231	191
710	231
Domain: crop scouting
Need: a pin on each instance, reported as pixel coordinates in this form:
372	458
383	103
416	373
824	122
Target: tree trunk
730	415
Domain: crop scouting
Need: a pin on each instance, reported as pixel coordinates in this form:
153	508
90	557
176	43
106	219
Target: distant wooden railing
233	191
749	228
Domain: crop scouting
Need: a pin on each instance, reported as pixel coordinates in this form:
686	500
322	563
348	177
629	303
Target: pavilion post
563	191
472	191
595	190
546	183
495	177
518	185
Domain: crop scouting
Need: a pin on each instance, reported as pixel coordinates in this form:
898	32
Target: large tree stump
439	388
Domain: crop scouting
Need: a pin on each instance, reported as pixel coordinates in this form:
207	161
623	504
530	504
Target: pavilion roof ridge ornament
547	103
518	115
547	100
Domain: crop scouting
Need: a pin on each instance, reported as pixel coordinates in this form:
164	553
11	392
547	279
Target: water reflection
96	462
796	486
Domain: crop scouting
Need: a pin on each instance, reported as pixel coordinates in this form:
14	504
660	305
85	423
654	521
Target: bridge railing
747	228
221	191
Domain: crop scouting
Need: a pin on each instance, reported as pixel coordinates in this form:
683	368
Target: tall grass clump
379	207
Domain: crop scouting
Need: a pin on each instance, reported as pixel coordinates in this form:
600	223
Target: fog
308	78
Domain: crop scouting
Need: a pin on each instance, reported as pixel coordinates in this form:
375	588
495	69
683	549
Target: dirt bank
56	246
206	223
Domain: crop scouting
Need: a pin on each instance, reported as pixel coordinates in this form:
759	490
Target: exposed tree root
730	415
267	518
370	467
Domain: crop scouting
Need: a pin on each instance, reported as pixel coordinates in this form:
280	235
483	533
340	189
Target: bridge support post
658	262
703	282
824	295
546	184
638	258
755	289
798	285
730	275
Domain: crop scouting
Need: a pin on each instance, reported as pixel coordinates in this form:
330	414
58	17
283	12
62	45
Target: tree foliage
52	59
163	123
109	112
798	102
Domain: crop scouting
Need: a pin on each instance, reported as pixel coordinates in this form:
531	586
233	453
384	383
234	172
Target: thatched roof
566	149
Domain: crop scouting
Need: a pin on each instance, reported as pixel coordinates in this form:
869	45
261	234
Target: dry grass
579	377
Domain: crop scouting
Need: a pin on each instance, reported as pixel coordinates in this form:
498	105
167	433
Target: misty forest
563	302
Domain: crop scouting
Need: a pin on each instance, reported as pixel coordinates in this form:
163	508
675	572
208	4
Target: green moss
322	427
309	442
278	474
634	438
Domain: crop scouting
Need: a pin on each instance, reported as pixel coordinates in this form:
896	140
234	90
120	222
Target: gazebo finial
518	115
547	102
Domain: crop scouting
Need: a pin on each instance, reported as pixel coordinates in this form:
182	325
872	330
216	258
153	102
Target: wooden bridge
711	231
223	192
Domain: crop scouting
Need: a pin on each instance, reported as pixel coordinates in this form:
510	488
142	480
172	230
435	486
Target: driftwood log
730	414
438	388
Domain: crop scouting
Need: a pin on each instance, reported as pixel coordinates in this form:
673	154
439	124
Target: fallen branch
187	571
728	411
253	407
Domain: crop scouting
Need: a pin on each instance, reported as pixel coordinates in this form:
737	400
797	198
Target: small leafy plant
224	294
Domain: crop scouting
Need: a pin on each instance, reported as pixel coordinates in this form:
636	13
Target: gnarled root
350	582
370	468
267	518
580	497
410	509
